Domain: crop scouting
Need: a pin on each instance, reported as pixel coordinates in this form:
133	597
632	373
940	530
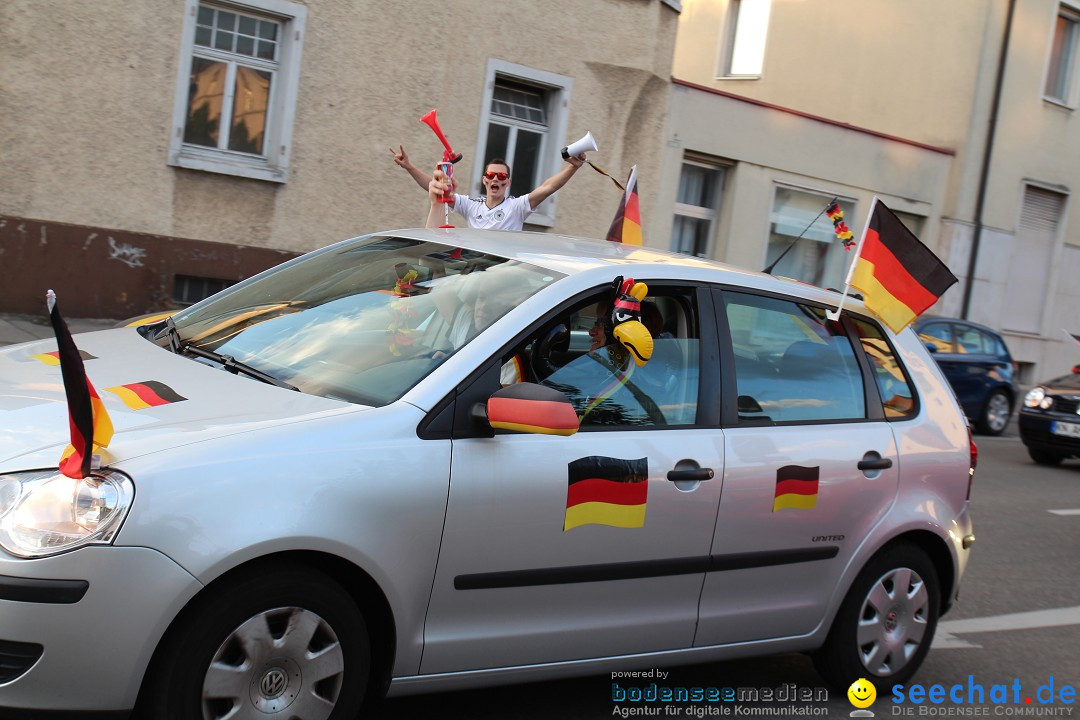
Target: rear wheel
884	627
995	414
1044	457
286	642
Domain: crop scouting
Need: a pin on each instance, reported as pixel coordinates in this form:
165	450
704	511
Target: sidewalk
25	328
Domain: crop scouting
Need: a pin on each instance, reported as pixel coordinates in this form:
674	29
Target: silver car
425	460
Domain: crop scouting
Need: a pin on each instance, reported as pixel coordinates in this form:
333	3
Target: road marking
945	638
1071	511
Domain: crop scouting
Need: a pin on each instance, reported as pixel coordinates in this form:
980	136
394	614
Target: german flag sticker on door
606	491
796	488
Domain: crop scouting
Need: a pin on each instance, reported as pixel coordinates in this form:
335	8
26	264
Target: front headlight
1034	397
44	512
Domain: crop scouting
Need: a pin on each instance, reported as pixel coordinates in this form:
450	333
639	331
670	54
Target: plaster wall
88	95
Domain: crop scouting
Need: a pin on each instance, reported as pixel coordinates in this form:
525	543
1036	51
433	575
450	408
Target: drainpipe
984	176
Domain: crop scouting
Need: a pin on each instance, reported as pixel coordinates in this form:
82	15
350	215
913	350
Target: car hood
156	400
1064	384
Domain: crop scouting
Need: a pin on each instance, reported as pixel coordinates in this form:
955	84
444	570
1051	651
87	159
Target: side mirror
530	408
930	346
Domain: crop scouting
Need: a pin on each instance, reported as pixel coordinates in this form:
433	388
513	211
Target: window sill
541	219
225	165
1057	102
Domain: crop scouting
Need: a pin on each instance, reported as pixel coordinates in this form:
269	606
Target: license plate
1066	429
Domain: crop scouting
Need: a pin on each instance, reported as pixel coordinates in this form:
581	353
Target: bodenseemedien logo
862	695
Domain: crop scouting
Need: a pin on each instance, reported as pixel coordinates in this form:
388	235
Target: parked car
415	461
1050	419
977	363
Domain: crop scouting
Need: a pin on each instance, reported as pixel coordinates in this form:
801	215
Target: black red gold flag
89	422
899	276
626	227
796	488
606	491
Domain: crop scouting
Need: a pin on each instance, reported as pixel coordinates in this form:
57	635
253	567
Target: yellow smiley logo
861	693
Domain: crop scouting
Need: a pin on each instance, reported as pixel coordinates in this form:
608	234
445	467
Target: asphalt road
1017	620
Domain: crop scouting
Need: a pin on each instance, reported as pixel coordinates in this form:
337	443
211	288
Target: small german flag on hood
89	422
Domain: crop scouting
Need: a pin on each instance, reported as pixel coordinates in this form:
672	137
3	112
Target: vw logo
273	683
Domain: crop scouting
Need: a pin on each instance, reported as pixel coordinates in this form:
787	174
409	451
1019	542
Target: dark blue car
978	365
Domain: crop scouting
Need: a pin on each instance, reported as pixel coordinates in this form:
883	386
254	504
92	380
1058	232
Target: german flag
606	491
53	358
899	276
522	407
626	227
796	488
88	421
149	393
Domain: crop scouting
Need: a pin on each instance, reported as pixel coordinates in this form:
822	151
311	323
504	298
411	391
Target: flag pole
835	314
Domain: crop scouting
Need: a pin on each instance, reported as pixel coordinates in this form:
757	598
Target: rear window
897	398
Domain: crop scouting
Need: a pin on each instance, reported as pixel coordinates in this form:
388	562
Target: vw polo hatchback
425	460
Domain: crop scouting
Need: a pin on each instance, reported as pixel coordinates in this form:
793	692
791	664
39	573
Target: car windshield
361	321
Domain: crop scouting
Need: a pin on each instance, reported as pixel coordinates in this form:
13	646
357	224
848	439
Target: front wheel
886	623
286	642
1044	457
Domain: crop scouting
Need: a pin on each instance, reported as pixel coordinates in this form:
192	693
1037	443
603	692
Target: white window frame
274	164
822	225
745	39
558	89
1069	59
701	212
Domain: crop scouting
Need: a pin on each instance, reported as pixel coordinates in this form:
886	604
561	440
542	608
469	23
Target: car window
897	398
938	335
576	355
791	363
361	321
973	341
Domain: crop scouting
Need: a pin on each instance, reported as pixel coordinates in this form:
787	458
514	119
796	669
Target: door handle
689	470
876	464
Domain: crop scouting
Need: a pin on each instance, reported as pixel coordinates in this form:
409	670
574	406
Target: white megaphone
585	144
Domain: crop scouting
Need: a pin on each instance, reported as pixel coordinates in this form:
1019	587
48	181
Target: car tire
883	630
995	414
1044	457
283	642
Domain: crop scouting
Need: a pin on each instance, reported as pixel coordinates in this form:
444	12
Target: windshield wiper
170	331
180	346
228	362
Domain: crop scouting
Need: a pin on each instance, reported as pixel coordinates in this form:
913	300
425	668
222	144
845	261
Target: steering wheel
557	339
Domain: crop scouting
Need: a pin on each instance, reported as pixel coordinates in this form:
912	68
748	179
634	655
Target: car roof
958	321
571	255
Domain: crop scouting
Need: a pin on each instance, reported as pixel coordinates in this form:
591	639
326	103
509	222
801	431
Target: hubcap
281	663
276	685
893	621
997	412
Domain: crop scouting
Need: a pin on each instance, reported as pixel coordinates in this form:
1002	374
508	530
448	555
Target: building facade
159	150
960	116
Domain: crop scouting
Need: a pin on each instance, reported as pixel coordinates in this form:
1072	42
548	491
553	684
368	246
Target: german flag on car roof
899	276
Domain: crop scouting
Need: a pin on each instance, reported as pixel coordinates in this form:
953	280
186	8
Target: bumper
1035	433
85	650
